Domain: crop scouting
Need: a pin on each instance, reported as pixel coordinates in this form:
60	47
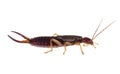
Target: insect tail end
23	41
27	40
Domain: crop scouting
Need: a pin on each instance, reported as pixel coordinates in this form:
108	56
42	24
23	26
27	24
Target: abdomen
43	41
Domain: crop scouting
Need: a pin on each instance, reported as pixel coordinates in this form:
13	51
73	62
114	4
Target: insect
59	40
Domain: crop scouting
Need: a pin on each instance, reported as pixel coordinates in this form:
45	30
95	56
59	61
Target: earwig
59	40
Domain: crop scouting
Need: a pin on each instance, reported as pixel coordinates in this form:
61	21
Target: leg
78	43
66	43
81	49
51	45
55	35
94	46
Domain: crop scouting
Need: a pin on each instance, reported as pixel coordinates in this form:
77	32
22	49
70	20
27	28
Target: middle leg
65	44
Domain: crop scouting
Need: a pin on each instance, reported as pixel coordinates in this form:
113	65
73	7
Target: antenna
94	36
97	29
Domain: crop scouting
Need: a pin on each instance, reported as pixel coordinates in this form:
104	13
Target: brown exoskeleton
59	40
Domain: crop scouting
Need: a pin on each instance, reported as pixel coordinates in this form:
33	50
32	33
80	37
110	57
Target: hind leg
51	44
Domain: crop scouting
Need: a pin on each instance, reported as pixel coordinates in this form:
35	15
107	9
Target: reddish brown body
59	40
54	41
44	41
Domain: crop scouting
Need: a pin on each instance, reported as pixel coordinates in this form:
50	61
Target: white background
71	17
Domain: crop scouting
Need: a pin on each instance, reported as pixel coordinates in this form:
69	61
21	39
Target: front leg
81	49
78	43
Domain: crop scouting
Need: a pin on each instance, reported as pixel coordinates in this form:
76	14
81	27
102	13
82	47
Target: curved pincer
23	41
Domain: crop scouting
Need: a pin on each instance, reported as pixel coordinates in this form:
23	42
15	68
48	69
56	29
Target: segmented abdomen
42	42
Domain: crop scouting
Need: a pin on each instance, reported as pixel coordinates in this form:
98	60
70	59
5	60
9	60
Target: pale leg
66	43
81	49
51	45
